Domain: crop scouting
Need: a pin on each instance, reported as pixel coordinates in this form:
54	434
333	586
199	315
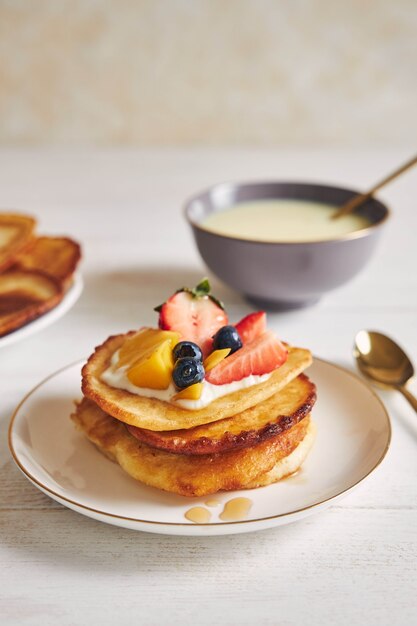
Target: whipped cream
117	377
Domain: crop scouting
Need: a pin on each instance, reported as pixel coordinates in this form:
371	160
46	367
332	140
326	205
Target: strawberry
251	326
260	356
195	314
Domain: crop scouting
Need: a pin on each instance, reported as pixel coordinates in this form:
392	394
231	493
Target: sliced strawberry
251	326
262	355
196	318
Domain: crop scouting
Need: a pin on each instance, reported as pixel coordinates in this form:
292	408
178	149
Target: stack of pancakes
35	272
249	438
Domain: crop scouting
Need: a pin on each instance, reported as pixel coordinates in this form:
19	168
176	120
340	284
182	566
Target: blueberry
187	371
187	348
227	337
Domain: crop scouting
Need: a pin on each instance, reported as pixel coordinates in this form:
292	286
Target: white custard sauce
283	221
117	377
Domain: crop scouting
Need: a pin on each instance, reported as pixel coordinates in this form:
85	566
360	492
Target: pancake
184	475
16	233
24	296
289	464
271	417
55	256
154	414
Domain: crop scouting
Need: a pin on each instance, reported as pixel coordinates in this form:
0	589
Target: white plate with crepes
353	437
48	318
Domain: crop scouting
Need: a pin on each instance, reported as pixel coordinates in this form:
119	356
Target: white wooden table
355	563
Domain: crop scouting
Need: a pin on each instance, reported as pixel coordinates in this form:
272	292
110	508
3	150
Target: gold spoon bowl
382	360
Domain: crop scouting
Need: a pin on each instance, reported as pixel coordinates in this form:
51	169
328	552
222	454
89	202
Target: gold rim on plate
47	490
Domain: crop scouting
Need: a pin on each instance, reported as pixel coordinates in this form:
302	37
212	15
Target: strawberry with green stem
194	313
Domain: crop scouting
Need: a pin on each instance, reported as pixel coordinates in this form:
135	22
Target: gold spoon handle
360	198
409	396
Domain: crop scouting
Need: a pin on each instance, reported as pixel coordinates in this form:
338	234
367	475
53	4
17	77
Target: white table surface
355	563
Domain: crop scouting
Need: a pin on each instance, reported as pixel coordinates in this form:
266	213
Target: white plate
353	437
49	318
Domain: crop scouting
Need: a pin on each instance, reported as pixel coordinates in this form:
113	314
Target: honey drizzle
236	509
198	515
298	477
212	502
233	510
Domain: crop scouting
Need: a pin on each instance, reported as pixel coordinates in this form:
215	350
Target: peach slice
143	343
193	392
154	370
214	358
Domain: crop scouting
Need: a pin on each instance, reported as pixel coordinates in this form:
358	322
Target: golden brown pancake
16	233
181	474
271	417
155	414
55	256
24	296
288	464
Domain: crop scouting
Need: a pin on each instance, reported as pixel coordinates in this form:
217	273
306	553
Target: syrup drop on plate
236	509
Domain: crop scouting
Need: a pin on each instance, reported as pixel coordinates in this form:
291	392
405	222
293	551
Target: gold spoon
381	360
360	198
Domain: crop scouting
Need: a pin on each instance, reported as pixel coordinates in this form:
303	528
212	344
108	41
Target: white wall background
266	72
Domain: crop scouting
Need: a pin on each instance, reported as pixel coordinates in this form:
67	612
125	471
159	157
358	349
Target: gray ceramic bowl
283	275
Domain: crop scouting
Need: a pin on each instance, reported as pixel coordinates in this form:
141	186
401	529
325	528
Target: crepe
275	415
157	415
24	296
56	256
16	233
185	475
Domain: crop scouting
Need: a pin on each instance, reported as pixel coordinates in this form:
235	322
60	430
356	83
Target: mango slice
214	358
193	392
141	345
154	370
